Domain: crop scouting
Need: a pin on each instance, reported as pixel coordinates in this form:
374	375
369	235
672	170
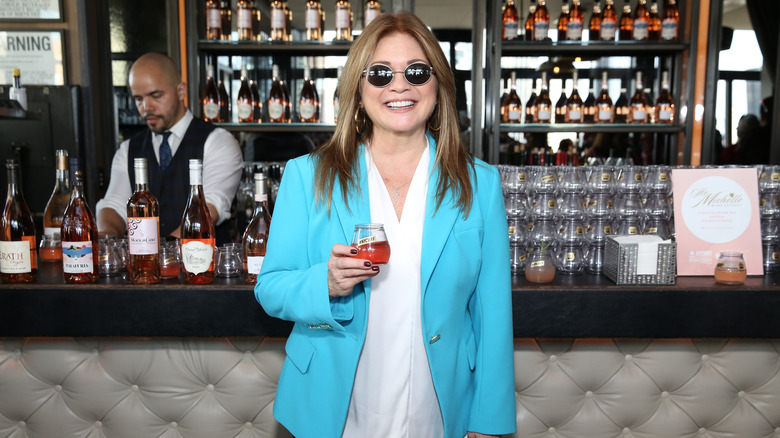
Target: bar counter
581	306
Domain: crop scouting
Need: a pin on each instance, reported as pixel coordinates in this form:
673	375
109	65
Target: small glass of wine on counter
730	268
371	243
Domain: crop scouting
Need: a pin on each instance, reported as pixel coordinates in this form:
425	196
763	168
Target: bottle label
514	115
372	13
540	29
51	231
245	110
211	110
213	19
275	110
641	30
669	29
510	30
77	257
260	198
15	257
605	115
342	19
574	30
244	20
312	19
197	254
278	19
307	110
543	115
639	115
575	115
665	115
254	264
608	29
143	235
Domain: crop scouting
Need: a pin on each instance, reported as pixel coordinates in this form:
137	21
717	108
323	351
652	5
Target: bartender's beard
158	125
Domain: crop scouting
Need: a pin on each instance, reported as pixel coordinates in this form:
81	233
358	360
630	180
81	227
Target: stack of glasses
769	209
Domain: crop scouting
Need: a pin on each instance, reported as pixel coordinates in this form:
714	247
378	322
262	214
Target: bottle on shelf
60	196
210	100
504	84
589	108
664	105
213	20
626	31
609	23
287	102
256	15
529	21
541	21
79	234
563	20
670	21
576	22
560	105
257	108
225	107
641	17
336	106
621	107
511	106
288	22
543	103
312	22
309	102
255	235
244	19
245	101
343	21
17	92
594	25
530	107
604	107
276	99
143	228
278	21
574	105
640	105
197	232
372	10
654	23
226	14
509	21
18	258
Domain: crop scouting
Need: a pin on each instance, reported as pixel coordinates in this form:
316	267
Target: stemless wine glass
228	261
371	243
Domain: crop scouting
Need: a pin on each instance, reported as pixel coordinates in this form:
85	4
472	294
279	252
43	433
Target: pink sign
716	210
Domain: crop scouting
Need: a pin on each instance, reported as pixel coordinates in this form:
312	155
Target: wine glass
371	243
228	261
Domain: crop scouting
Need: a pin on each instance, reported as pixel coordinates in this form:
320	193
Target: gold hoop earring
359	121
432	128
433	117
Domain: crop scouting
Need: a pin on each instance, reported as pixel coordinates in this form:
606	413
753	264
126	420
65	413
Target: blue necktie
165	151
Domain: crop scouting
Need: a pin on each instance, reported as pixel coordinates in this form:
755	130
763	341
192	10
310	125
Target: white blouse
393	394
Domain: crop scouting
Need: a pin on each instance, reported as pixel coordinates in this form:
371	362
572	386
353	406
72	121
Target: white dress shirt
222	164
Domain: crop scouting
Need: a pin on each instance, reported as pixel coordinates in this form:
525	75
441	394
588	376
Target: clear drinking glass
228	262
170	260
109	262
539	267
569	259
730	268
50	249
371	243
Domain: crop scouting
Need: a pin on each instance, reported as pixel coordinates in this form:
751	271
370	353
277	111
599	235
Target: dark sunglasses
380	75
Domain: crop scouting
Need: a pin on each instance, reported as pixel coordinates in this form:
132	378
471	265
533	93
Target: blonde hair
337	158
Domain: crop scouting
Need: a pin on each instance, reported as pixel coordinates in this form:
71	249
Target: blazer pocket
471	351
299	351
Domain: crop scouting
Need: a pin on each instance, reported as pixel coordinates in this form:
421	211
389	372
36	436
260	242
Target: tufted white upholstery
217	387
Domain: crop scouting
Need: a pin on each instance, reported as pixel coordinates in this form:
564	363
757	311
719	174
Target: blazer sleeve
493	410
293	283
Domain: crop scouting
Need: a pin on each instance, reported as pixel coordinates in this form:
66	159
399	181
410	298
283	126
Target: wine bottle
609	23
594	25
60	196
287	103
225	107
509	21
244	19
641	22
574	105
560	106
197	232
143	228
343	21
226	12
336	105
213	20
309	103
604	108
640	106
311	20
18	260
543	103
288	15
210	100
511	106
529	21
245	101
372	10
654	23
257	108
563	20
626	23
576	22
256	36
79	234
664	105
278	21
530	107
621	109
590	110
541	21
256	233
17	92
276	103
670	21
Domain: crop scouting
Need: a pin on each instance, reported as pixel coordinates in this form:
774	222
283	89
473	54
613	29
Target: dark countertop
571	307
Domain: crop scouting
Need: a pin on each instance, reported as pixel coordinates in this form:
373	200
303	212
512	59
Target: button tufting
174	424
98	423
626	430
665	394
95	352
702	430
551	430
209	387
589	394
248	353
553	358
248	425
18	352
629	357
705	357
21	423
58	388
741	394
134	388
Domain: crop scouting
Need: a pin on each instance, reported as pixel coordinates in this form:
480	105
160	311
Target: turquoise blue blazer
466	304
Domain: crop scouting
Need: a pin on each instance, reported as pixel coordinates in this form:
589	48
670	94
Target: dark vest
172	186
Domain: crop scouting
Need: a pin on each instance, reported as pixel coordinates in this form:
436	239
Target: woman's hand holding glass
345	270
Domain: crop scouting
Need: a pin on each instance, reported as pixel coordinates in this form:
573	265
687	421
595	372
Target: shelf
582	127
278	127
592	48
259	48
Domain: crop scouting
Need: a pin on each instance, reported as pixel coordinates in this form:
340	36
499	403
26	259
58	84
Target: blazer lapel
356	208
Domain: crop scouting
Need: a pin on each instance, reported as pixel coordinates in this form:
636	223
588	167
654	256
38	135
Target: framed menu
24	10
716	210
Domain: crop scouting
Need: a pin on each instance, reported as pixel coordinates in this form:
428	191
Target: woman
421	346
